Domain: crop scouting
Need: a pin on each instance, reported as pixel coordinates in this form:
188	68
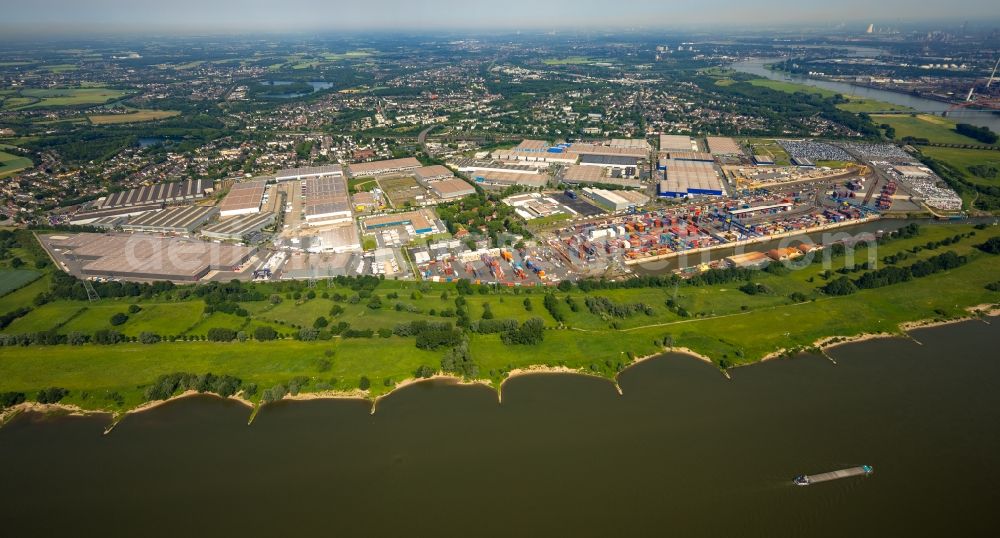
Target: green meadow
721	322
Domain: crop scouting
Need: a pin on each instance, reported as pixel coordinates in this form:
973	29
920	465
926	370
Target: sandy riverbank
827	342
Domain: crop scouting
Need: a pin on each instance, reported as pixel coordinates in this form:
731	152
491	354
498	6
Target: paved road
422	139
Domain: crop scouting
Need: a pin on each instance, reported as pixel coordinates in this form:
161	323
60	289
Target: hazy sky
290	15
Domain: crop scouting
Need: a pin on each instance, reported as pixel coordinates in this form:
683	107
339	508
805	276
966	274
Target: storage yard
707	200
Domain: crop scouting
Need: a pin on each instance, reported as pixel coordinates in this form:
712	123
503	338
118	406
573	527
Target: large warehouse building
476	165
670	143
147	257
243	198
690	178
421	221
327	201
161	193
581	149
293	174
502	180
723	145
451	188
381	168
425	174
584	175
92	216
537	152
238	228
616	200
176	220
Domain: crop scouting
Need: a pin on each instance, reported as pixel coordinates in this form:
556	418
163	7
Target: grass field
962	159
349	55
71	96
857	105
770	147
12	279
46	318
11	164
400	190
59	68
725	324
791	87
934	128
570	60
133	116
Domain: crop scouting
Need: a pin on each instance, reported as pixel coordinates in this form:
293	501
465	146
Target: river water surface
982	118
683	452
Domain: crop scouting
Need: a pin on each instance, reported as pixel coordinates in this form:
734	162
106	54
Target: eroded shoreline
976	313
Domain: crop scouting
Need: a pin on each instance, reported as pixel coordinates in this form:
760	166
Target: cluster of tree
227	308
991	246
424	372
264	333
754	288
458	360
10	399
108	337
982	134
66	286
430	335
604	307
274	394
551	303
530	333
9	317
167	385
839	286
984	171
722	276
493	326
51	395
221	294
890	275
221	334
358	283
41	338
484	213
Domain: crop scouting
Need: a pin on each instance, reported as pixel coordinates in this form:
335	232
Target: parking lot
579	205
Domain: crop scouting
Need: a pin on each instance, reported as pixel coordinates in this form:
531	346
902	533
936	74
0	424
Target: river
682	452
982	118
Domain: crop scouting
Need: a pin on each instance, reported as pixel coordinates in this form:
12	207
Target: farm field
133	116
11	164
934	128
12	279
791	87
858	105
963	159
70	96
570	60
